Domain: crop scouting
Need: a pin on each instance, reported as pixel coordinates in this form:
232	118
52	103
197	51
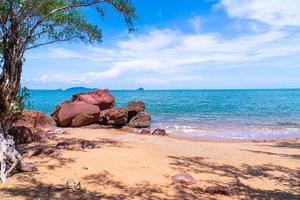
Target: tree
28	24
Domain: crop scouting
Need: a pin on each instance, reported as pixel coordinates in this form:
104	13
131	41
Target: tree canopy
39	22
27	24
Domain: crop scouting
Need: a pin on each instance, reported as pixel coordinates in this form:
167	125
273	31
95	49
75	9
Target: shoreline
130	130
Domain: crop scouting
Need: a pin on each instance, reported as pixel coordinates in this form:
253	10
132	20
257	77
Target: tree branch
50	42
74	5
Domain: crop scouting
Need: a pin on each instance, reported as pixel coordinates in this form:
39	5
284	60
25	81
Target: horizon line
296	88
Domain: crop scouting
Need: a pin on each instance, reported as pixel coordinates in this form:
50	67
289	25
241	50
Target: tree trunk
9	86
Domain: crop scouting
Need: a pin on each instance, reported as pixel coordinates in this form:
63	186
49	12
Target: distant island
80	88
141	89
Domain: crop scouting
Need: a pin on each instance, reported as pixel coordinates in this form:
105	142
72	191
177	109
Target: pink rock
67	111
134	107
37	119
184	178
101	98
83	120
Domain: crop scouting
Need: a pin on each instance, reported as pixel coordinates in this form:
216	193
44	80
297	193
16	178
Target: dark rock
24	134
160	132
218	190
43	150
114	116
141	120
134	107
67	111
102	98
77	145
88	144
145	131
31	127
184	178
63	145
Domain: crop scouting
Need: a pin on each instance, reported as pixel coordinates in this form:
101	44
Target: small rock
141	120
160	132
145	131
63	145
88	144
184	178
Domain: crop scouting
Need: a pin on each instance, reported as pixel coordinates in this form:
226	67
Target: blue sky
195	44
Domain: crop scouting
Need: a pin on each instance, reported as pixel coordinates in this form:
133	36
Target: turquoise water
218	114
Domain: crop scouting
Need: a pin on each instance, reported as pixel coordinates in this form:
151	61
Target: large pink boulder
66	112
84	120
101	98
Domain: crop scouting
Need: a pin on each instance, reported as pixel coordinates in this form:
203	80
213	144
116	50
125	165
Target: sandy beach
131	166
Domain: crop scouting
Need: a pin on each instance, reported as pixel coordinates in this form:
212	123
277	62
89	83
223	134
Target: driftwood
11	159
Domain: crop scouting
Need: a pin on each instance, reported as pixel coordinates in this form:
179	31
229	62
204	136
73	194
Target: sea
255	114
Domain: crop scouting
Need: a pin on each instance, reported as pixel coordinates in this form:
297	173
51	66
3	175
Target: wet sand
131	166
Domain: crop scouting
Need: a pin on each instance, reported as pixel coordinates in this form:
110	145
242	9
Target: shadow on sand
290	178
237	176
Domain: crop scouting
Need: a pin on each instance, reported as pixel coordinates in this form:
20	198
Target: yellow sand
131	166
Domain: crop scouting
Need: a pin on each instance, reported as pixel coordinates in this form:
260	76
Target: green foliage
21	100
48	21
15	112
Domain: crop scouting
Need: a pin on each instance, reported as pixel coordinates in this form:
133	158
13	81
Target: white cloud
276	13
167	56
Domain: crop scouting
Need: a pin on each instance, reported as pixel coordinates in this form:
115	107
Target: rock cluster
90	109
98	107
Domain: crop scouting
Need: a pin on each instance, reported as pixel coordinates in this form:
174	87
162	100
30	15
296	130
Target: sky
193	44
